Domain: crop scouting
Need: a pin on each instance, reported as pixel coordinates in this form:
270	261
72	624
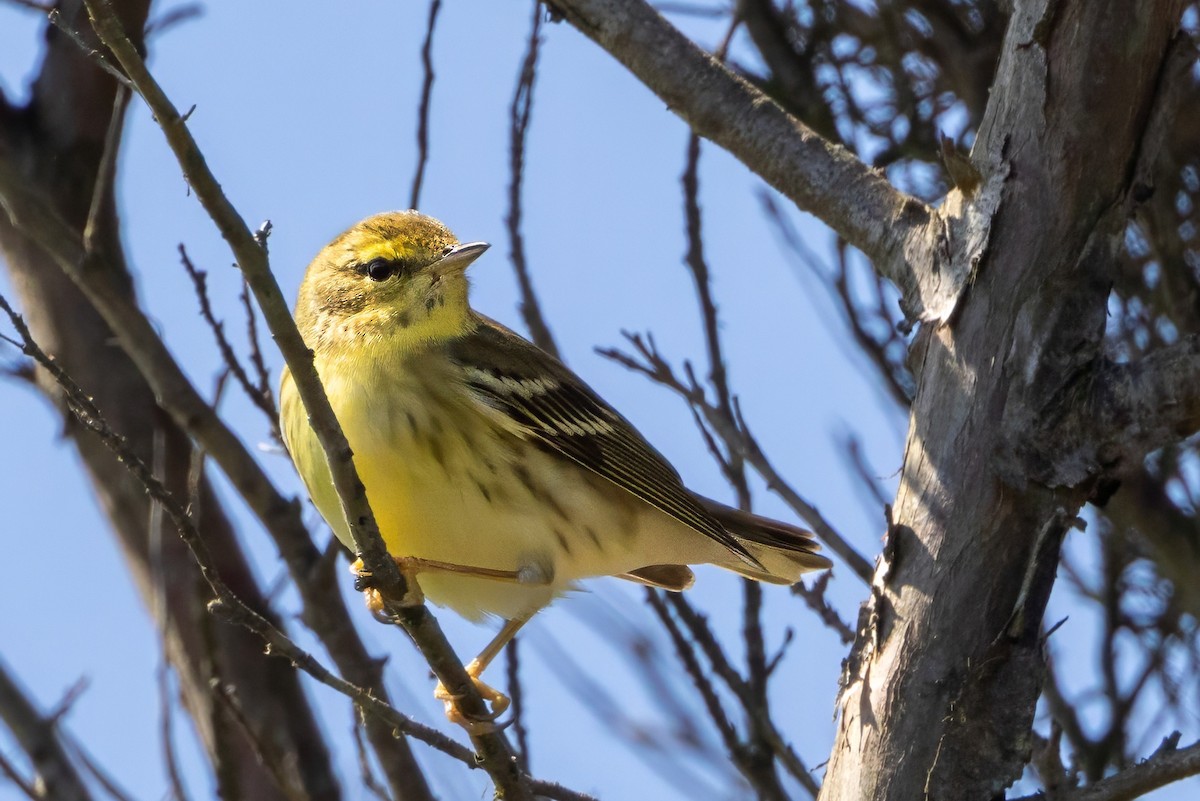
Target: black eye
378	269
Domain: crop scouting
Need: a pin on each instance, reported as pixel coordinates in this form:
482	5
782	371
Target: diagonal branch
494	750
909	242
1166	765
57	775
252	261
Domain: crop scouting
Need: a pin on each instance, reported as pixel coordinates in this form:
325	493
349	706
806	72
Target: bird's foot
363	583
474	724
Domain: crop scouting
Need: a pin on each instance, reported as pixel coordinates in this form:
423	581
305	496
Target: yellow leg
475	667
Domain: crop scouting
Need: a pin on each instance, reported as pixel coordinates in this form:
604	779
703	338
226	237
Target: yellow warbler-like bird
494	471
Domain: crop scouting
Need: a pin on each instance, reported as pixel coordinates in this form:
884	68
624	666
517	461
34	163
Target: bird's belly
475	497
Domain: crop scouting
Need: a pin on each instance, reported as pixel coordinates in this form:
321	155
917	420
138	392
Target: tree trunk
939	693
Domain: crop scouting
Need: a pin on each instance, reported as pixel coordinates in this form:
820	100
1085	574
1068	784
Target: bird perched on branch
498	478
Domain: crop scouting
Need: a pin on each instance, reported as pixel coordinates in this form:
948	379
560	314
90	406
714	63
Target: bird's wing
561	413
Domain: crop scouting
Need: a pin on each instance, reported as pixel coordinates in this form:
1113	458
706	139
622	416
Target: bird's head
397	275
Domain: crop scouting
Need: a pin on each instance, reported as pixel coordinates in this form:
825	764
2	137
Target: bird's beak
460	258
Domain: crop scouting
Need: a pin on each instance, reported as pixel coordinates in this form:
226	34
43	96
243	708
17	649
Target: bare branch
516	692
324	610
909	242
37	736
494	749
519	114
1166	765
414	199
106	171
252	260
738	437
815	598
13	775
200	282
166	736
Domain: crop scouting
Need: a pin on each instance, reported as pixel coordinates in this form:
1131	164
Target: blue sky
306	113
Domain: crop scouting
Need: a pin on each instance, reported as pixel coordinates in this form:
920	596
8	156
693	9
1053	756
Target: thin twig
414	199
37	735
760	775
56	19
261	373
102	777
14	776
266	756
166	734
519	114
106	171
200	283
364	767
658	750
815	598
738	437
516	692
712	703
68	700
751	691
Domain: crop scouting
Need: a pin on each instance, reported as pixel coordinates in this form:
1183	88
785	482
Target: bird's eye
379	269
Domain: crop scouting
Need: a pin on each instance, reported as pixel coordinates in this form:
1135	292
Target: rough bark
939	694
58	141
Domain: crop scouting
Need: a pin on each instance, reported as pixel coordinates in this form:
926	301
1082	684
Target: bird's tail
784	551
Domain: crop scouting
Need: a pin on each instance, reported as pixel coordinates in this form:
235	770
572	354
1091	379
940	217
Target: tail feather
784	551
675	578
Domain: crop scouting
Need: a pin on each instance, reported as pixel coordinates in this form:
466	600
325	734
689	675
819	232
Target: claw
475	724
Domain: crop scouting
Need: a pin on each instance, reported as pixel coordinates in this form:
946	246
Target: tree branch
916	247
37	736
519	113
252	261
495	752
414	198
1167	764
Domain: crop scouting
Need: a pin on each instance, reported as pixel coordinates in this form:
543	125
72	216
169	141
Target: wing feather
562	414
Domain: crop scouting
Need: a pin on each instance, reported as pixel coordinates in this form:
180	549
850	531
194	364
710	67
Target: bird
498	478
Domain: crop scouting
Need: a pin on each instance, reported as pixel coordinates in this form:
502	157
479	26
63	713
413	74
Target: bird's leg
410	566
531	574
475	667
